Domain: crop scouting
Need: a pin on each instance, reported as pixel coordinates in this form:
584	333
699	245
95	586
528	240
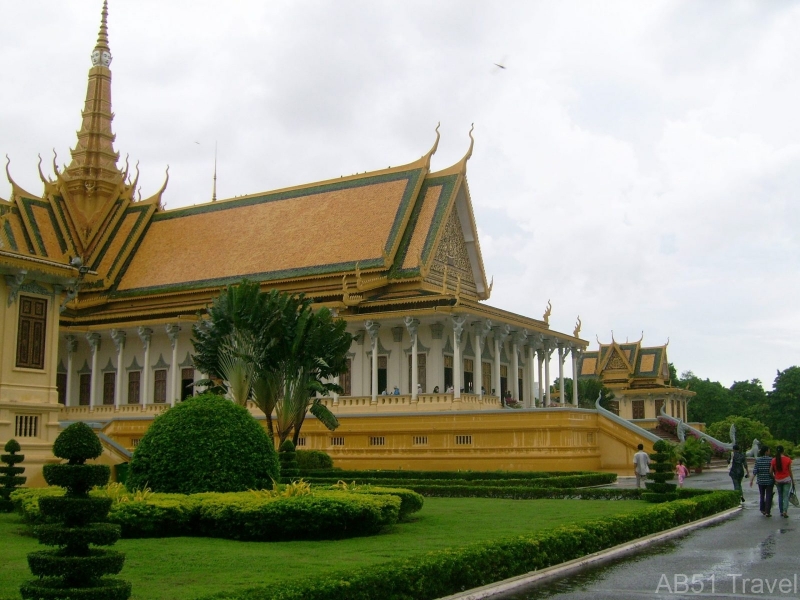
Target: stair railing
682	428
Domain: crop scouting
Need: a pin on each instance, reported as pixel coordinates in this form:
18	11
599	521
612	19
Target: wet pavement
746	556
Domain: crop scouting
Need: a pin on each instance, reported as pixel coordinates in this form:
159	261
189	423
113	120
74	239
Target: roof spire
101	56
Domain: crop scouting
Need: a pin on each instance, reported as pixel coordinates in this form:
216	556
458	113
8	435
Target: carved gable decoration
616	362
452	251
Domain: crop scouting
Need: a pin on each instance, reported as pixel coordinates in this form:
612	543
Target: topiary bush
74	523
10	478
662	469
313	460
204	444
288	460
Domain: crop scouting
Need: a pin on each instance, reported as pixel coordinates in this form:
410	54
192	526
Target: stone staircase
666	435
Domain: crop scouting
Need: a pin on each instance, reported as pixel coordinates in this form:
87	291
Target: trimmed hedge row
242	515
410	501
446	572
313	460
465	475
568	481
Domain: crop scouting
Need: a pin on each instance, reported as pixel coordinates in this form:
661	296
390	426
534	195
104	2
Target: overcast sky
637	163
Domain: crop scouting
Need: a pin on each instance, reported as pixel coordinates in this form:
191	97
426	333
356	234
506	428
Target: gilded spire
92	181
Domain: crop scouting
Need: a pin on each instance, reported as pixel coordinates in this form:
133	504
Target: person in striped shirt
766	483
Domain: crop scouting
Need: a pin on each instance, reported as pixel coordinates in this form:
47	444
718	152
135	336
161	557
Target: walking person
762	474
781	469
738	469
641	464
681	471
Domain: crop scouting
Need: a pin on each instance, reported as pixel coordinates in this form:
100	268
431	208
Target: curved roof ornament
432	151
41	175
641	338
55	164
667	344
468	155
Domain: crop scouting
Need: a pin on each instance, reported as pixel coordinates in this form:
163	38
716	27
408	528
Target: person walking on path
738	469
641	464
682	472
781	469
766	483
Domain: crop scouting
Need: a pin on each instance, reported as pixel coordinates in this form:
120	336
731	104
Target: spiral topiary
661	471
10	475
290	470
204	444
74	522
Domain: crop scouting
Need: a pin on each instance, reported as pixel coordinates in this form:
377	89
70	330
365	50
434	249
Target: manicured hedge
410	501
465	475
567	481
446	572
243	515
313	460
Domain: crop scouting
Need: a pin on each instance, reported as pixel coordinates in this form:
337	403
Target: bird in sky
499	65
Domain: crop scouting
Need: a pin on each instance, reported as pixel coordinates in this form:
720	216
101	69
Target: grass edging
444	572
577	564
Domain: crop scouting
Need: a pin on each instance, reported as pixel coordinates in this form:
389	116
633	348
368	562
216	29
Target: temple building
639	378
102	288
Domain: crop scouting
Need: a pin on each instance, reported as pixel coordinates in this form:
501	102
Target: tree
712	401
10	474
747	430
274	348
589	389
784	403
750	399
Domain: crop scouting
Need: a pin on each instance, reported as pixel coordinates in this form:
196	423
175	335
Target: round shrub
204	444
77	444
288	461
10	476
313	460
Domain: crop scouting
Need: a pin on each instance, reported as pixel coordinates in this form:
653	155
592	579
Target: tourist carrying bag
793	498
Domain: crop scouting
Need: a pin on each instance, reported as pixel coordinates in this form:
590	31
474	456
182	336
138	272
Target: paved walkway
746	556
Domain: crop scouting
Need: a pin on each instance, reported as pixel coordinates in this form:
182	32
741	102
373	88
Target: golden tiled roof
429	202
320	228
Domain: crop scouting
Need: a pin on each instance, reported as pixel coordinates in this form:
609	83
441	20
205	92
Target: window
383	374
468	375
377	441
31	332
487	377
638	409
448	372
61	385
160	386
520	386
26	426
109	381
344	379
659	406
337	441
187	383
503	379
420	372
613	406
135	441
463	440
134	380
85	389
301	441
420	440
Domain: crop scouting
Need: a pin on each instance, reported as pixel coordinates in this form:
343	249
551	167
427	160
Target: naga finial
577	331
471	143
547	312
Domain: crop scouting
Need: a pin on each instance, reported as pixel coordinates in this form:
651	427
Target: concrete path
746	556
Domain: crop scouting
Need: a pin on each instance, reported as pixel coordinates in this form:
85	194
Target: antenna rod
214	191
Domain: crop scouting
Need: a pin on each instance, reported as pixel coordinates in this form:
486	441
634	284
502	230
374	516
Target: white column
575	352
531	378
481	329
397	337
172	333
496	365
372	329
413	325
540	360
458	365
118	336
145	333
72	346
94	343
517	339
561	357
548	351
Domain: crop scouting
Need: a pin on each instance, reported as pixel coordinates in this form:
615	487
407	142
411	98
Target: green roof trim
448	188
142	210
656	362
27	204
10	235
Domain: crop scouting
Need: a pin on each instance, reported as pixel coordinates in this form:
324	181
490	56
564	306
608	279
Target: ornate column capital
372	329
145	333
94	340
501	332
72	343
118	336
14	282
519	337
412	325
172	332
482	328
458	326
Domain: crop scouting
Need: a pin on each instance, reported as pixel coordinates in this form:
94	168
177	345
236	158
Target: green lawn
186	568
